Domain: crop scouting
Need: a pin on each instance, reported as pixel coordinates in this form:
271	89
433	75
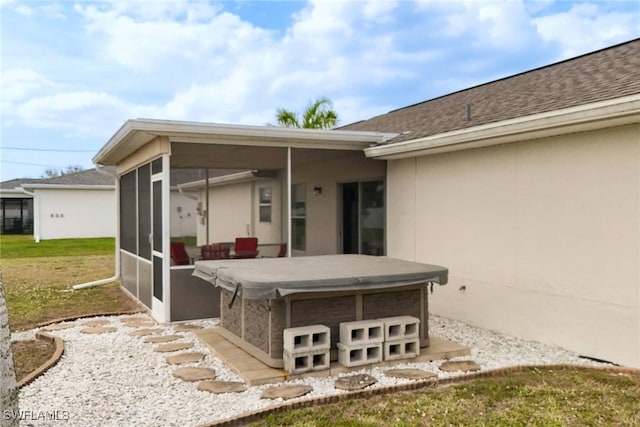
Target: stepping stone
138	324
411	374
145	332
163	338
98	330
460	365
165	348
355	382
286	392
194	374
58	326
222	386
98	322
185	327
179	359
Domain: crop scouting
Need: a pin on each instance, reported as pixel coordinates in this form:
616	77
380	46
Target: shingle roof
86	177
602	75
17	182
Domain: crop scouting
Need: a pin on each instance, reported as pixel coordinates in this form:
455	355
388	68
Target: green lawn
12	246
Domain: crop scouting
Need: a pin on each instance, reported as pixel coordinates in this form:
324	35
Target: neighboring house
79	205
526	188
76	205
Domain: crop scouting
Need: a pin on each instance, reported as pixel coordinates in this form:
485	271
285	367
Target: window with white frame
265	204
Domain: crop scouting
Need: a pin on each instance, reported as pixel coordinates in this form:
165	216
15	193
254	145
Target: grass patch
40	289
537	397
25	247
30	355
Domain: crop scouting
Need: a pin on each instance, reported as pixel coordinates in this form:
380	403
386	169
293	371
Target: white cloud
75	113
502	25
379	10
18	83
585	27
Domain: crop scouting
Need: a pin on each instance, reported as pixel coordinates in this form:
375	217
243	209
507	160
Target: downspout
36	214
289	244
116	274
208	210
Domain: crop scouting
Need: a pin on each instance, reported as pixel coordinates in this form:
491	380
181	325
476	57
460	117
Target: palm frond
287	118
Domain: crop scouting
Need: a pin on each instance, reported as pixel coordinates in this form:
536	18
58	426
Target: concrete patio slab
253	372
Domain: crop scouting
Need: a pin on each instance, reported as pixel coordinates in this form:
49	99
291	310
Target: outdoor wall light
317	190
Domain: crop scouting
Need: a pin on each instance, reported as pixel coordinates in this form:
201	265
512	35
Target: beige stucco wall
544	235
322	209
70	213
234	212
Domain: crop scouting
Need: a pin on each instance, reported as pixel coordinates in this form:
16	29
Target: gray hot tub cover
265	278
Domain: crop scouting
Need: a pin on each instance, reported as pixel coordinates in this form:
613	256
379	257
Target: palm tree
8	388
318	115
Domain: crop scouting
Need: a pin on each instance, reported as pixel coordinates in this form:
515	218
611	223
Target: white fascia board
13	192
133	134
598	115
68	187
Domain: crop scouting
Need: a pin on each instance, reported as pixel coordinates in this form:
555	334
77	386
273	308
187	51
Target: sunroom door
160	263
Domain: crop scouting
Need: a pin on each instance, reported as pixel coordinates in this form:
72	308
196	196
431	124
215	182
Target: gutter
116	274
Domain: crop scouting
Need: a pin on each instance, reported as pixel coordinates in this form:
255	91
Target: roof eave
615	112
135	133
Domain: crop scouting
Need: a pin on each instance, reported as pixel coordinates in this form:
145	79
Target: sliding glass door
363	217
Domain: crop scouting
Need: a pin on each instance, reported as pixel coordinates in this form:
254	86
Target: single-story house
527	188
80	205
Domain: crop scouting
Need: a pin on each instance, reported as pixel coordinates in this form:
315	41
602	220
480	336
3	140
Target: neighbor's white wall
322	210
544	235
76	213
183	223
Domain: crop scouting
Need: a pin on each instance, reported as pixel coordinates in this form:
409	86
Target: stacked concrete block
360	342
401	337
306	349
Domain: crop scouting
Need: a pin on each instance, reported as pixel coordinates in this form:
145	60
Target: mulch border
59	343
82	316
57	354
260	414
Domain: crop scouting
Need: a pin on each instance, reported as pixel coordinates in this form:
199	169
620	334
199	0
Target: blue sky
73	72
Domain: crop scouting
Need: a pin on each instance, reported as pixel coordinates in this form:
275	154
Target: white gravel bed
115	379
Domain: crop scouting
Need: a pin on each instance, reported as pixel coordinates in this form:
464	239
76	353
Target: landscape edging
57	354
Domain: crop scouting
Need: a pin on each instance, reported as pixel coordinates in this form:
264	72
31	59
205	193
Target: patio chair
179	254
246	247
215	251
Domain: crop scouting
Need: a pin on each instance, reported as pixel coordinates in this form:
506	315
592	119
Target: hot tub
262	297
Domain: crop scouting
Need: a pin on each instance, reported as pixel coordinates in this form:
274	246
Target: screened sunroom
311	190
